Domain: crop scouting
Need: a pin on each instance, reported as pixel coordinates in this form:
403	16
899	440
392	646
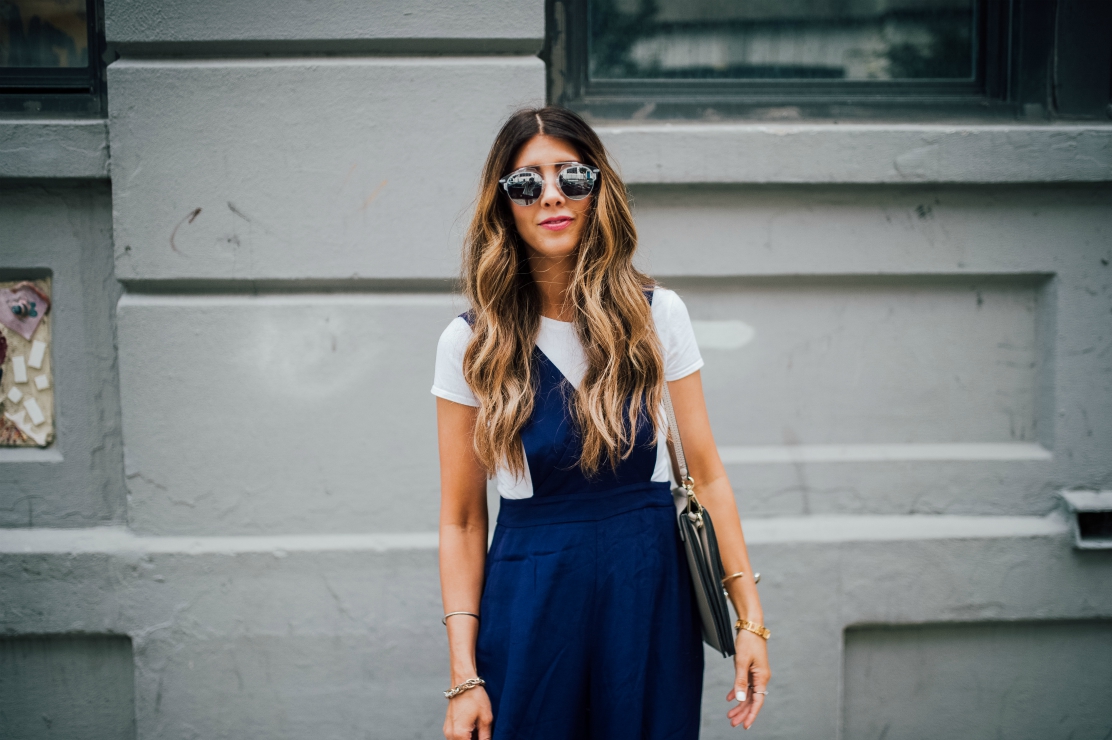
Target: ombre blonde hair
625	366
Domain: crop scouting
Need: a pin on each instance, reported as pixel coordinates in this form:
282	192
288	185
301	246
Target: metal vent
1091	516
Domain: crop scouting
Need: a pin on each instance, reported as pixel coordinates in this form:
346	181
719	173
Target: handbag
700	545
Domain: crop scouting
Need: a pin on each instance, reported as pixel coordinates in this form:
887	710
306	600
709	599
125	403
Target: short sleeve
673	326
448	381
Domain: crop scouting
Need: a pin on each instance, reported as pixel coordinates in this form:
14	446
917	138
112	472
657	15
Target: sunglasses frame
504	181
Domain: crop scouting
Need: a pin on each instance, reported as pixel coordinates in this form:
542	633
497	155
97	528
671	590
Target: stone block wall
905	328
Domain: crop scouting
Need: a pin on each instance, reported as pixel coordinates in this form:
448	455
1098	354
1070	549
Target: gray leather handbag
701	546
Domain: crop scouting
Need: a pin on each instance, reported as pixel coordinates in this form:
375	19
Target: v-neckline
564	325
555	367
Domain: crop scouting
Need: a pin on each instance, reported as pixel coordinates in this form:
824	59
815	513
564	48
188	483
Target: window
50	56
823	58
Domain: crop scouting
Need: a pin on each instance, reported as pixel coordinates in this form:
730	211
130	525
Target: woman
588	626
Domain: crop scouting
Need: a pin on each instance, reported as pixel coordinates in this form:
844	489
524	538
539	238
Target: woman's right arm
463	544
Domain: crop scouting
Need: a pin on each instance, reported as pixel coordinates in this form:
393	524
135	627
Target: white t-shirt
560	343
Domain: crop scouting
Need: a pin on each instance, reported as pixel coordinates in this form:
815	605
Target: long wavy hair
625	367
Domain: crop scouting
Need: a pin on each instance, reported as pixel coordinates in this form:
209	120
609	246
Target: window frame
1014	57
49	90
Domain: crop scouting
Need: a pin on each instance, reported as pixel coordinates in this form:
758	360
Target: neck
553	278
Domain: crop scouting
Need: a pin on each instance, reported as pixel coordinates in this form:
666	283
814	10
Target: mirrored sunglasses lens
577	182
524	187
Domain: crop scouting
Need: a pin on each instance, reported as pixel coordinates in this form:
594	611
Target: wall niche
26	377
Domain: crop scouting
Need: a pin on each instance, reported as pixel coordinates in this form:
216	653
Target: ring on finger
760	692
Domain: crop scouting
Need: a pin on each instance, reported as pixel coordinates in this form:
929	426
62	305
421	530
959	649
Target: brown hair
625	367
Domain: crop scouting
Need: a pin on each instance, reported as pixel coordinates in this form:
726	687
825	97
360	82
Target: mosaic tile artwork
26	379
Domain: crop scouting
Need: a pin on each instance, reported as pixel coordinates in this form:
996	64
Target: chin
561	246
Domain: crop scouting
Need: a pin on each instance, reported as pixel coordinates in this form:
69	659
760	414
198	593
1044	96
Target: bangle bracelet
466	685
444	620
739	574
757	629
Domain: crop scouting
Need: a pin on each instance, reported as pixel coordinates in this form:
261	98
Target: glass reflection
524	186
781	39
43	33
577	181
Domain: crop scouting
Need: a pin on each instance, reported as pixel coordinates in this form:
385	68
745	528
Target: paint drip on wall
26	376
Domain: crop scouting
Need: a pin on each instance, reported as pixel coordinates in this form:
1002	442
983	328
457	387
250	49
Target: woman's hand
468	712
752	674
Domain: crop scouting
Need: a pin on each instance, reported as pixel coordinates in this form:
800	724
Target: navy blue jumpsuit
589	627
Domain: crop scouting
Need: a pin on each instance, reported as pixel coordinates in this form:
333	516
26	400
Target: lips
556	223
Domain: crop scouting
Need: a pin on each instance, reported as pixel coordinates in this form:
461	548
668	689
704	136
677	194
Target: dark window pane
43	33
781	39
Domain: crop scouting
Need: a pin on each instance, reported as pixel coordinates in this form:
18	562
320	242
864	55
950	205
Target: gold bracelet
468	684
739	574
444	621
757	629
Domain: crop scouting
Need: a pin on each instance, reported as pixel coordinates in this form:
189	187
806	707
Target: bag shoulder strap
675	444
679	462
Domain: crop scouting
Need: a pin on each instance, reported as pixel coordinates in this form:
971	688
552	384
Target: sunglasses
576	181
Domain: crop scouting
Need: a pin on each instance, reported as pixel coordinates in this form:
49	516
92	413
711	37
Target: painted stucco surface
1018	664
859	153
78	482
380	155
325	397
343	636
31	149
95	674
905	328
136	21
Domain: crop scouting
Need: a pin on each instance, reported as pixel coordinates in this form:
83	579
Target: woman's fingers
741	688
740	691
742	665
745	713
759	675
749	716
486	729
750	684
460	733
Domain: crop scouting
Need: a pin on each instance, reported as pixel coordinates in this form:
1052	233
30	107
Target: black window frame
66	90
1022	69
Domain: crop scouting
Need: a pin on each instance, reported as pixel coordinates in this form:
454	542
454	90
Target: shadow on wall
1014	680
67	686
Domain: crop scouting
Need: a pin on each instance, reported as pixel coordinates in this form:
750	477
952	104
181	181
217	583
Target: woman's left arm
714	492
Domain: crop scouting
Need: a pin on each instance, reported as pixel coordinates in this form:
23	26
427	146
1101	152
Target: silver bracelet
444	620
468	684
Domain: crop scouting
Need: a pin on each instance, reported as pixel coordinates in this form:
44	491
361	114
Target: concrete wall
66	686
905	329
64	229
912	682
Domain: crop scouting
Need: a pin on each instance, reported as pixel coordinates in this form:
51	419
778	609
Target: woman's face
553	225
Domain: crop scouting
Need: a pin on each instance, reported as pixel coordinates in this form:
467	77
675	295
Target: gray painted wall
67	686
65	230
380	155
905	328
296	413
914	682
429	26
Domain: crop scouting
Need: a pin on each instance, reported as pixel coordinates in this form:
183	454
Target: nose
552	196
